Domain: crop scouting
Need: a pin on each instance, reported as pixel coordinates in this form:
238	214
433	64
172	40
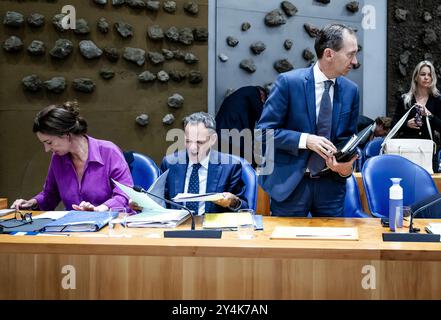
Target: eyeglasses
24	217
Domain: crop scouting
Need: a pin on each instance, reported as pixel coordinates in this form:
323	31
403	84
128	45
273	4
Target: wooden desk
3	203
150	268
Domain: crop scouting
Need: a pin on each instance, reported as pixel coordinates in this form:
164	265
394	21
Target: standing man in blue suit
201	169
311	111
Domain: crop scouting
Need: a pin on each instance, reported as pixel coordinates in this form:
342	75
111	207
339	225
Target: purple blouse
105	161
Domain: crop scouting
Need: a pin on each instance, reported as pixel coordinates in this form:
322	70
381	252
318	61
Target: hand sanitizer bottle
395	201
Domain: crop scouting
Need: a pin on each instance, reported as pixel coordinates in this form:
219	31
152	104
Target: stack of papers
317	233
434	228
187	197
161	219
229	220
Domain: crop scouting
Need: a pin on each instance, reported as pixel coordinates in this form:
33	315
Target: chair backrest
353	207
144	170
373	148
416	182
250	180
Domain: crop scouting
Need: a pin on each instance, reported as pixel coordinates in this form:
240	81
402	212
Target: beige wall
112	108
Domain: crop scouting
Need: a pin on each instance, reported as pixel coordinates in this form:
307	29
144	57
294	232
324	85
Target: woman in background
81	167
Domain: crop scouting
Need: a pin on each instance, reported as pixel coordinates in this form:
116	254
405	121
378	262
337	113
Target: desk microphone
413	235
215	234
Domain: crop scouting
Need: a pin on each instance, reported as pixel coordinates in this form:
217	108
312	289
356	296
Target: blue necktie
193	187
324	126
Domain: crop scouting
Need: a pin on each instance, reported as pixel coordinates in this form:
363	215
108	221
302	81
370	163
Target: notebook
160	219
228	220
434	228
80	221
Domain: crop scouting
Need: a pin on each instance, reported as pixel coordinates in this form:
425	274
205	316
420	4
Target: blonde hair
407	97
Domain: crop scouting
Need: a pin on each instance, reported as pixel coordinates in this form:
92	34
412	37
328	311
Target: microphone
214	234
413	235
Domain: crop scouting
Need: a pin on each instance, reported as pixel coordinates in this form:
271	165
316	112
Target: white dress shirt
203	173
319	83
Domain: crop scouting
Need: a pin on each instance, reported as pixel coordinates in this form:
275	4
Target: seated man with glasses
200	169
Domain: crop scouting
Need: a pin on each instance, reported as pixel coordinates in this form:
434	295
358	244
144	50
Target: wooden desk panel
3	203
150	268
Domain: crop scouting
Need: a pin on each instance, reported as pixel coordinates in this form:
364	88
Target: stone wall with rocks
136	68
414	34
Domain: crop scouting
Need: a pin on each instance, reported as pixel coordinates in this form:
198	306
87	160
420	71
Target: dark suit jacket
291	110
224	175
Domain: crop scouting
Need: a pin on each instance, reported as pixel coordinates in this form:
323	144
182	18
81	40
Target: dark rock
288	44
275	18
223	57
195	77
191	7
289	8
186	36
100	2
37	48
81	27
61	49
179	54
103	25
118	2
125	30
13	44
427	16
190	58
245	26
404	57
89	50
83	85
155	57
32	83
111	54
232	41
146	76
402	69
56	22
178	75
175	101
353	6
35	20
155	32
136	4
142	120
169	6
258	47
200	34
168	119
107	73
248	65
56	84
172	34
283	65
308	55
168	54
324	1
153	5
311	30
163	76
13	19
401	15
135	55
429	37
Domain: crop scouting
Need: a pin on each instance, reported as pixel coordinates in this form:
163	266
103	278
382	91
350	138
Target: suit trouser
322	196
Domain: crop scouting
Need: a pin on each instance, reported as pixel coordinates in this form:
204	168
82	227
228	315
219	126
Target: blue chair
250	180
416	182
372	148
144	170
353	206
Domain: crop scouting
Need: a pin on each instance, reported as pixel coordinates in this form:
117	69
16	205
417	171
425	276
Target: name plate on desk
315	233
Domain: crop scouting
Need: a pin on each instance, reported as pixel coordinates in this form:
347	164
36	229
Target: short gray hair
201	117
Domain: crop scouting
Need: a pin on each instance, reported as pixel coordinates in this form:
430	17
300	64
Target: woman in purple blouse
81	167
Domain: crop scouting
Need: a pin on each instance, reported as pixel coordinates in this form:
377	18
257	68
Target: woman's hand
412	124
24	204
87	206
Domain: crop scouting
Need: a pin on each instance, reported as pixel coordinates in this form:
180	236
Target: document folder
80	221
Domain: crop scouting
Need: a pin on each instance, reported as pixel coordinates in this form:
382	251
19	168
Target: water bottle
395	201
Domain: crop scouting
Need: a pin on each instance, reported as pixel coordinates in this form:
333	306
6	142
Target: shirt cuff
302	141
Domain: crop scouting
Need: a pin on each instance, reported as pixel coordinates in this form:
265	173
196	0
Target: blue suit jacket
224	175
291	110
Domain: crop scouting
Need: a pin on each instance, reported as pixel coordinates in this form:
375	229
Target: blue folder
80	221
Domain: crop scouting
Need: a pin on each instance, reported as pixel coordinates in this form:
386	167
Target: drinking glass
245	224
